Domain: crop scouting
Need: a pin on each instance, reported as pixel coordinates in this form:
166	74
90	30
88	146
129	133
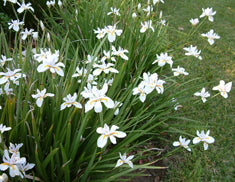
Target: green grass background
217	163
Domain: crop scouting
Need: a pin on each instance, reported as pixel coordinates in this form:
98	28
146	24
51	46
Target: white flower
149	9
7	89
116	106
24	7
25	167
45	54
48	37
51	64
91	59
194	21
100	33
204	138
163	22
35	35
203	94
12	75
151	82
42	25
208	12
50	3
120	52
108	133
15	25
106	68
179	71
14	149
192	51
80	72
26	33
96	98
4	59
108	55
12	1
114	11
4	178
134	15
11	163
112	32
40	96
87	92
3	128
182	142
146	25
140	90
223	88
125	160
139	6
211	36
157	1
60	3
162	59
69	101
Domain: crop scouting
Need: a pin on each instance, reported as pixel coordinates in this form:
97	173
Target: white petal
3	166
176	144
59	71
77	105
210	139
205	146
228	87
196	140
89	105
142	97
100	130
119	163
130	157
111	38
3	80
63	106
113	139
102	140
130	164
119	134
42	68
108	102
97	72
98	107
39	101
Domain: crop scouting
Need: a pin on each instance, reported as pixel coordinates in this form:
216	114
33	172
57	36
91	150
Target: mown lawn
217	163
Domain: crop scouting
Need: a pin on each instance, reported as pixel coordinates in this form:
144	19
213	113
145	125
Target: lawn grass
217	163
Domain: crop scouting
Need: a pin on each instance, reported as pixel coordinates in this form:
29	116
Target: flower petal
102	140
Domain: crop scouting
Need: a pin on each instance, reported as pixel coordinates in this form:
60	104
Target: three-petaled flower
146	25
123	159
223	88
208	12
203	94
162	59
108	133
179	71
69	101
11	163
96	97
204	138
182	142
40	96
51	64
211	36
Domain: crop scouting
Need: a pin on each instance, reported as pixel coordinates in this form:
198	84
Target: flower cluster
17	165
205	138
149	83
